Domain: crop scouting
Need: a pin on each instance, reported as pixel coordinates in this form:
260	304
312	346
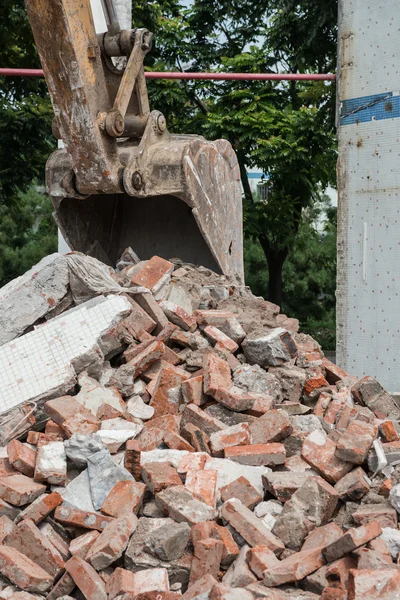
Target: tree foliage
284	129
27	231
309	273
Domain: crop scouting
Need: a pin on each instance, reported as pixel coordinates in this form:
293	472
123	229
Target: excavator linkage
121	178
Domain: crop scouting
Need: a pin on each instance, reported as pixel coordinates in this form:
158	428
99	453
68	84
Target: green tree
285	129
27	231
309	273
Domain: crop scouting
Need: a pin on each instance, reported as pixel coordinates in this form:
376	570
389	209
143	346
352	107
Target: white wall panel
368	290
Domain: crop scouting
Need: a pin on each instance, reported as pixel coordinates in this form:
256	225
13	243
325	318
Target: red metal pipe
22	72
213	76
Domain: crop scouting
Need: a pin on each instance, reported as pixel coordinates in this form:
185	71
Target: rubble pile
167	435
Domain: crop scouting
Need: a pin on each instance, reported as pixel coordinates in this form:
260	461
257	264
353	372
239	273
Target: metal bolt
161	123
115	124
119	123
137	180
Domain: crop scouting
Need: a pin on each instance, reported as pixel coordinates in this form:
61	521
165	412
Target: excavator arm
121	178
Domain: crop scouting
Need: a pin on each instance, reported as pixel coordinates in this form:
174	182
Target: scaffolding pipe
190	76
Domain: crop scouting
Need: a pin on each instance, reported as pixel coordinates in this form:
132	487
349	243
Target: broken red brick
148	439
121	582
63	408
203	485
86	579
166	398
60	542
283	485
319	451
199	418
380	546
230	358
336	411
109	546
150	305
29	540
257	454
355	443
375	584
385	488
354	485
23	572
142	361
202	531
333	373
231	549
47	438
53	429
178	315
80	423
274	426
207	559
191	461
264	403
322	536
132	457
40	508
314	384
197	438
202	587
261	558
150	584
106	412
6	468
242	489
73	517
352	539
217	336
20	490
64	586
22	457
159	475
137	321
384	514
152	272
234	398
80	545
322	405
252	530
216	374
135	349
176	442
192	391
6	527
388	431
237	435
125	497
294	568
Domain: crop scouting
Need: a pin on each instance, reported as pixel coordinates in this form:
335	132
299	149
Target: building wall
368	282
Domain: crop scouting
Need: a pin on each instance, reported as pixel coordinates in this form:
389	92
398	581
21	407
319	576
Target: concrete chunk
270	350
179	504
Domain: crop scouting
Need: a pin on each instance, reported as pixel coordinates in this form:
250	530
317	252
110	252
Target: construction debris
164	434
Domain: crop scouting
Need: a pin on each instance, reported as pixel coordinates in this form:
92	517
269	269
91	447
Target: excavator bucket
121	178
190	208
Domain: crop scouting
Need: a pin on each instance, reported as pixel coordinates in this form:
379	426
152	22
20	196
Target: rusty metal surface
189	206
103	186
